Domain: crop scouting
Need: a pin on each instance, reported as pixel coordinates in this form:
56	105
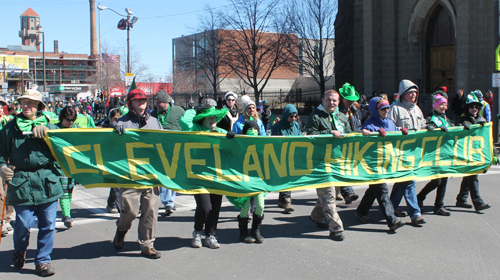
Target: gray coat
132	120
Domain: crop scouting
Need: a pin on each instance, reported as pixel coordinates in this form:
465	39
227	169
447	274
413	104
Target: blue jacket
375	122
285	128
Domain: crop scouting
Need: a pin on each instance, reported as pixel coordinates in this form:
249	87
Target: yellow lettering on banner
280	166
411	159
190	162
390	151
438	160
456	161
98	159
329	160
478	151
348	162
218	168
67	151
247	167
309	160
380	158
424	141
170	169
358	158
133	162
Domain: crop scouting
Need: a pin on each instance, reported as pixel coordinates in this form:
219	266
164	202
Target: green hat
203	112
472	99
348	92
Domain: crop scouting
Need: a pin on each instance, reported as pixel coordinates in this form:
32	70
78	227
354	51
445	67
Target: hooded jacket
406	114
238	125
132	120
321	122
284	127
174	115
375	122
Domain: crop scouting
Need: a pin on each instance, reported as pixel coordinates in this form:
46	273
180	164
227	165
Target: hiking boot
399	213
18	259
364	219
151	253
169	210
255	231
119	239
112	210
463	205
442	212
196	239
337	235
350	198
44	269
399	223
211	242
287	205
418	221
483	206
68	222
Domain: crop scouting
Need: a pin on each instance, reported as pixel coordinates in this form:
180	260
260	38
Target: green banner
201	162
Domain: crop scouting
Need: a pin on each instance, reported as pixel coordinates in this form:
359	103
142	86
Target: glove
466	126
6	173
404	130
230	135
481	123
430	128
382	132
40	131
495	160
120	129
444	128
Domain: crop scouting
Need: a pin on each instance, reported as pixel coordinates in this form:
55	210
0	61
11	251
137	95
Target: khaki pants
9	210
131	200
326	209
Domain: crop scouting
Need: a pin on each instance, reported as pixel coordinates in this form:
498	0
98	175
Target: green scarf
439	121
338	124
26	125
162	117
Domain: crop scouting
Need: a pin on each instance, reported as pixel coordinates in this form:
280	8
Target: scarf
162	117
438	120
26	125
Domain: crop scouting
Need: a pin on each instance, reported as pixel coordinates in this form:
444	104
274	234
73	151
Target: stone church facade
431	42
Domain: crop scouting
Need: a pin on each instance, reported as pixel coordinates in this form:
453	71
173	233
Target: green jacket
36	175
174	115
320	122
186	123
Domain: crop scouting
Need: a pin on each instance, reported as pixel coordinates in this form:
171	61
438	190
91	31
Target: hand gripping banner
201	162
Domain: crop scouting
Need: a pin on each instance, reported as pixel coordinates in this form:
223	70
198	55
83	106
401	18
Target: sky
68	21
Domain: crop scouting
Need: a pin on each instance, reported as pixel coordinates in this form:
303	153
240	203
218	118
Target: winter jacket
266	115
353	115
437	120
406	114
375	122
132	120
321	122
238	125
36	179
186	123
284	127
174	115
231	117
469	119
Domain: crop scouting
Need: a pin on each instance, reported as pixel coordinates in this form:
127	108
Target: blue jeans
406	189
167	196
25	217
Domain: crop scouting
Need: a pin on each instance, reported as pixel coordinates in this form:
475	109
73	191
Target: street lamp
123	24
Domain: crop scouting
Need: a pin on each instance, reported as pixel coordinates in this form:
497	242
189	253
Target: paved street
465	245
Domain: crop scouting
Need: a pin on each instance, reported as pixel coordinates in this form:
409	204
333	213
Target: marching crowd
35	185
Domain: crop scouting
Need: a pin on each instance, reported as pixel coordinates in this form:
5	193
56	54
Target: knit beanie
245	103
438	99
248	125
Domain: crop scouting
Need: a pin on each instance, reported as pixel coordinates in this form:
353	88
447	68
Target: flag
109	58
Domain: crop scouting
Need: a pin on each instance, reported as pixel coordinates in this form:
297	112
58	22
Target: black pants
440	185
207	212
381	193
470	184
114	198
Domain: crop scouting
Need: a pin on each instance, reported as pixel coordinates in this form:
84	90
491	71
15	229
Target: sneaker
5	232
68	222
169	210
151	253
211	241
337	235
483	206
350	198
112	210
196	239
44	269
364	219
399	223
464	205
418	221
442	212
339	197
18	259
399	213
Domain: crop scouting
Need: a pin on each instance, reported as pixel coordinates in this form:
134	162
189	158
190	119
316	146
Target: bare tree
313	22
258	43
108	75
136	65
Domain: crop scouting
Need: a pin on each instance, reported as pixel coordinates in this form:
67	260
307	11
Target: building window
74	62
79	63
55	62
80	74
74	73
31	20
31	28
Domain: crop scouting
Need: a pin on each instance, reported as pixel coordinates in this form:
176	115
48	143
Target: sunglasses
293	117
231	99
474	107
384	109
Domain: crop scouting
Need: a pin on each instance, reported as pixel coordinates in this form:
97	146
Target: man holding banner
144	199
326	119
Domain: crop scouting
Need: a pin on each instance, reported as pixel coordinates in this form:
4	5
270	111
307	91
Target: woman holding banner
205	118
